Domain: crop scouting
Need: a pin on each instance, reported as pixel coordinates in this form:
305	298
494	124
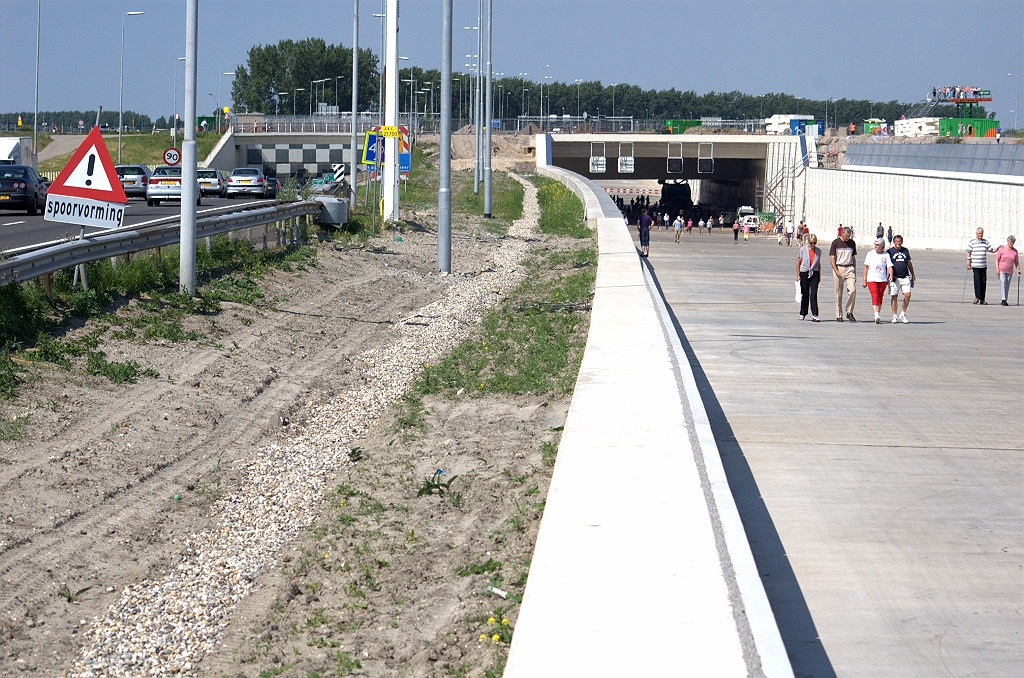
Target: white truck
16	151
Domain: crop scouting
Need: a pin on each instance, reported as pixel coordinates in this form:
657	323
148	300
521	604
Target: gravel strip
166	626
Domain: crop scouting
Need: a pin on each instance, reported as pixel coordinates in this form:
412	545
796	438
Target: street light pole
35	115
488	115
444	191
578	97
389	185
355	100
220	100
542	95
120	88
187	238
1017	97
174	115
294	97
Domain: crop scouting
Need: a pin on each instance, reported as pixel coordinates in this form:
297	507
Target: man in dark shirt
903	277
843	256
643	225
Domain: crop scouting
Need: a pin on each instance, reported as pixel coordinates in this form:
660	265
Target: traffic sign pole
187	257
444	192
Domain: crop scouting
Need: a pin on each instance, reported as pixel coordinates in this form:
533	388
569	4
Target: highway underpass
733	168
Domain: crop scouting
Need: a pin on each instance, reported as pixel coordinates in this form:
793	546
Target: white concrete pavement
877	468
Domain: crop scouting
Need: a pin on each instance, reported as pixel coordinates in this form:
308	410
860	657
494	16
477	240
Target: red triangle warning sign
90	173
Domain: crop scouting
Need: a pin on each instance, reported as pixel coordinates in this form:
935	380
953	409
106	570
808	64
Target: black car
21	188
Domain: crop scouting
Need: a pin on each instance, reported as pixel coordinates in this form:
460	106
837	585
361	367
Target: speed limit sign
172	156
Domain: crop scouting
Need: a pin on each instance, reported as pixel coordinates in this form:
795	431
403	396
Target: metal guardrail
140	237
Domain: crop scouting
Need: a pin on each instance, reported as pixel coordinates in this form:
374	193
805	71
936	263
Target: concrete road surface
878	468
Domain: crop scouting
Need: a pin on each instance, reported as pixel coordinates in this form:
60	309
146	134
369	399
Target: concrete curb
641	565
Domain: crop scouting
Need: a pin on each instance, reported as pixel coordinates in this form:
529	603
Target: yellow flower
504	621
495	638
483	636
343	502
490	620
326	554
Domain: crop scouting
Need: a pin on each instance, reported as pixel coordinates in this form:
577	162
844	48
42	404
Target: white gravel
166	626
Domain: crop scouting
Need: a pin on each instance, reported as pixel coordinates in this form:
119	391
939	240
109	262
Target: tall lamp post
577	97
614	124
174	116
444	191
1016	99
294	92
35	115
120	88
353	165
220	100
542	95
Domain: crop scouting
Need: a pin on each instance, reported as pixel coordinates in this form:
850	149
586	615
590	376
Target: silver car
134	179
247	181
211	182
165	184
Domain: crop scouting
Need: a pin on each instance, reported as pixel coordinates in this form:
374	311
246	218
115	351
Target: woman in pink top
1007	259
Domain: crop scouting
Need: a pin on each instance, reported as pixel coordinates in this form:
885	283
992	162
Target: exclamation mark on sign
92	166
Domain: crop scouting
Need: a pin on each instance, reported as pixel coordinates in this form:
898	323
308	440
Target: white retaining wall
642	566
928	212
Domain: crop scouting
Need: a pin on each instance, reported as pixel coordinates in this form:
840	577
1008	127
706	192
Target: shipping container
680	126
968	127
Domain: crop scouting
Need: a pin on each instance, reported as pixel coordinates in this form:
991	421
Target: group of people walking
888	270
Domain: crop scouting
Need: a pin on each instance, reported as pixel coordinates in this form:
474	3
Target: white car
165	184
247	181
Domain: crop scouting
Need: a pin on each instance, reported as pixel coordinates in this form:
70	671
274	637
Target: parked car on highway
247	181
165	184
21	188
134	179
211	182
273	186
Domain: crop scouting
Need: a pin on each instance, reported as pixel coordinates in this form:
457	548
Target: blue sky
864	49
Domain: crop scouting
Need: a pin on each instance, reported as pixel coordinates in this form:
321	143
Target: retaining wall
641	566
928	212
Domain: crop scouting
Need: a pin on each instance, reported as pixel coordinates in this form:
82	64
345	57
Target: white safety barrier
929	212
642	566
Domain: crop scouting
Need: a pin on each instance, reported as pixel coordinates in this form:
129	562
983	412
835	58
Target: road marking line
13	223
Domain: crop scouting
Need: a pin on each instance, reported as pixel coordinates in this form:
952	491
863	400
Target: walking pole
964	293
1018	289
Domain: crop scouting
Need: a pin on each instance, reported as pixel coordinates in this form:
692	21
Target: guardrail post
266	229
48	286
113	262
277	233
208	244
160	258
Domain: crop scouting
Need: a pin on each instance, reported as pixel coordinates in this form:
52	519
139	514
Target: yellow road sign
389	131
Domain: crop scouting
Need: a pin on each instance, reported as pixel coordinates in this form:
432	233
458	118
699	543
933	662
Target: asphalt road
20	230
877	468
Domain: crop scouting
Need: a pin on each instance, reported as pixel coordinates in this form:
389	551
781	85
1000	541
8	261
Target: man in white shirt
789	233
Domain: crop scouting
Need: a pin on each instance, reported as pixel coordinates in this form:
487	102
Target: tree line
67	121
277	77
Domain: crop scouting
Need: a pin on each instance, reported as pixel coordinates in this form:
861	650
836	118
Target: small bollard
208	244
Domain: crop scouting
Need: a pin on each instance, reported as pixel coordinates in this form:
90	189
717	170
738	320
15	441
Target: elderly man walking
977	261
843	256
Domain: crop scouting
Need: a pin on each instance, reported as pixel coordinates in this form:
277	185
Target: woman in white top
877	275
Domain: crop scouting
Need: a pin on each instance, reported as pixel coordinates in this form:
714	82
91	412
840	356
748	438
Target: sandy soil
88	497
511	153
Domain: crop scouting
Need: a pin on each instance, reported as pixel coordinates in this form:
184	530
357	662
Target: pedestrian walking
700	227
977	261
721	223
888	236
789	233
879	232
677	225
665	219
1007	258
903	277
808	272
643	226
877	276
735	233
746	231
843	257
689	226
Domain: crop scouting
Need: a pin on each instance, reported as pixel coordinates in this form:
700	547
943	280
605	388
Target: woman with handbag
808	272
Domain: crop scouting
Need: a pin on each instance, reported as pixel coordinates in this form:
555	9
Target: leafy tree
273	73
161	123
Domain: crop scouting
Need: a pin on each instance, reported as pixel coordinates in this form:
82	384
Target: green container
968	127
680	126
872	127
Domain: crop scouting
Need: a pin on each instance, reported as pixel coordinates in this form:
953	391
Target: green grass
527	345
32	328
561	211
13	429
146	148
